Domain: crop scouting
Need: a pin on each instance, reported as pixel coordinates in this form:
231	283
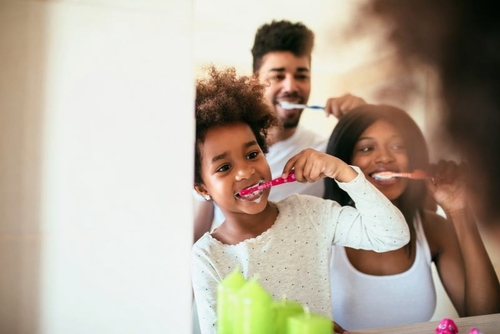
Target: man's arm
203	217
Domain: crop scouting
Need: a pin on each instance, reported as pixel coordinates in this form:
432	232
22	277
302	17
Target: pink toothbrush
275	182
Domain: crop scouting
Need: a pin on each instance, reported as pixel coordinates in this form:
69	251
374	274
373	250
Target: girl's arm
375	224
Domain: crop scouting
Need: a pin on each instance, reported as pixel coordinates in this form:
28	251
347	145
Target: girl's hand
448	187
311	165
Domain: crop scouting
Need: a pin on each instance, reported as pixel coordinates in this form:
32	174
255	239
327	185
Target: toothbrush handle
280	180
275	182
316	107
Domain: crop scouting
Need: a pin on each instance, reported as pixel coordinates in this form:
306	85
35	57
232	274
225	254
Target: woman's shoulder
431	220
436	228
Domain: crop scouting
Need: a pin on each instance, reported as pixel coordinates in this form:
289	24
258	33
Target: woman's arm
461	258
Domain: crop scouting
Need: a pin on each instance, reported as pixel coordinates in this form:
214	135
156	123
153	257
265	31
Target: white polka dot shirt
292	257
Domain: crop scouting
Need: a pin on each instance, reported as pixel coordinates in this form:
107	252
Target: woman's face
381	148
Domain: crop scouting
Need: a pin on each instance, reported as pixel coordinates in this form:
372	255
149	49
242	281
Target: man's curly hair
281	36
225	98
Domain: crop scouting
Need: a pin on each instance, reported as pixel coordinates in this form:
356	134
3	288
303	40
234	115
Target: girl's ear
200	189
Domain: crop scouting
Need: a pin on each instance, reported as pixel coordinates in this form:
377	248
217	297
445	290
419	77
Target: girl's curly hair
225	98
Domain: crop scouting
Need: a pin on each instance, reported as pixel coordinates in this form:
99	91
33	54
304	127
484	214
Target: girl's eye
252	155
224	168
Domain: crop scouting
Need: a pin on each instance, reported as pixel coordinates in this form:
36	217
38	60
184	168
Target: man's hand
339	106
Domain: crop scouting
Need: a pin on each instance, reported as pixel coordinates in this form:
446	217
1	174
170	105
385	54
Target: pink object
416	175
275	182
474	330
446	326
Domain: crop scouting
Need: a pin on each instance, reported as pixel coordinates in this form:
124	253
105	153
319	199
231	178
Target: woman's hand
448	186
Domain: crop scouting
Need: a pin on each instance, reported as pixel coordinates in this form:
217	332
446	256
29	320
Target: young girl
288	242
372	290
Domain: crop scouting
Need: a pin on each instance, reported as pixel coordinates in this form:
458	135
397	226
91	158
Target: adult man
282	59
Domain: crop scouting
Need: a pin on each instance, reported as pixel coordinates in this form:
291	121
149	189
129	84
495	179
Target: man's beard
290	123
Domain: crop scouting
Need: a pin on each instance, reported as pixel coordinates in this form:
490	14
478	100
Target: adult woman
371	289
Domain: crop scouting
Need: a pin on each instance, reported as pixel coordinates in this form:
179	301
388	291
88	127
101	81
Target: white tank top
362	301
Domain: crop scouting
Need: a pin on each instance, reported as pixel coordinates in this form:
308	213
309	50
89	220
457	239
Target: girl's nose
244	173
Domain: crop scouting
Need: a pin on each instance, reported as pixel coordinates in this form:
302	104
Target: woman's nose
384	156
244	172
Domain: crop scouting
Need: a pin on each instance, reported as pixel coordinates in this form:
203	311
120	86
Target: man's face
287	78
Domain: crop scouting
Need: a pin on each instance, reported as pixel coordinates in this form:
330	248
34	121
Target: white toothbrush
416	175
289	105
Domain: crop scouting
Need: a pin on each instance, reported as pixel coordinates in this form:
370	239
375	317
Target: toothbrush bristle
383	176
289	105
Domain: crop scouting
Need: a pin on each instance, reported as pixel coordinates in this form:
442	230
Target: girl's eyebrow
225	154
250	143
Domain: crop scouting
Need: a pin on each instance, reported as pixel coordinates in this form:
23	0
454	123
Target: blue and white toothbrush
288	105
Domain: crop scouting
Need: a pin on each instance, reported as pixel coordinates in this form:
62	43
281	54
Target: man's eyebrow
225	154
282	69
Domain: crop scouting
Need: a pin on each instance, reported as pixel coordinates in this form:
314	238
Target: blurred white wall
96	129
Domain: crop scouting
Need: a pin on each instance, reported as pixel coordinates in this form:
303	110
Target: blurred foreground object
460	41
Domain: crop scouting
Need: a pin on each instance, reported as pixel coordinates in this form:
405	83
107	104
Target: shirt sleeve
374	224
204	279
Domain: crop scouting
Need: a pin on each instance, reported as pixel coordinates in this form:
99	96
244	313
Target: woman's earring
207	197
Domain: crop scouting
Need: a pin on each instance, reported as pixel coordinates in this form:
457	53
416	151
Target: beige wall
95	203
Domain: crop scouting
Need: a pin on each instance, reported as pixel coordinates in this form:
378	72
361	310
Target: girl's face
381	148
232	160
